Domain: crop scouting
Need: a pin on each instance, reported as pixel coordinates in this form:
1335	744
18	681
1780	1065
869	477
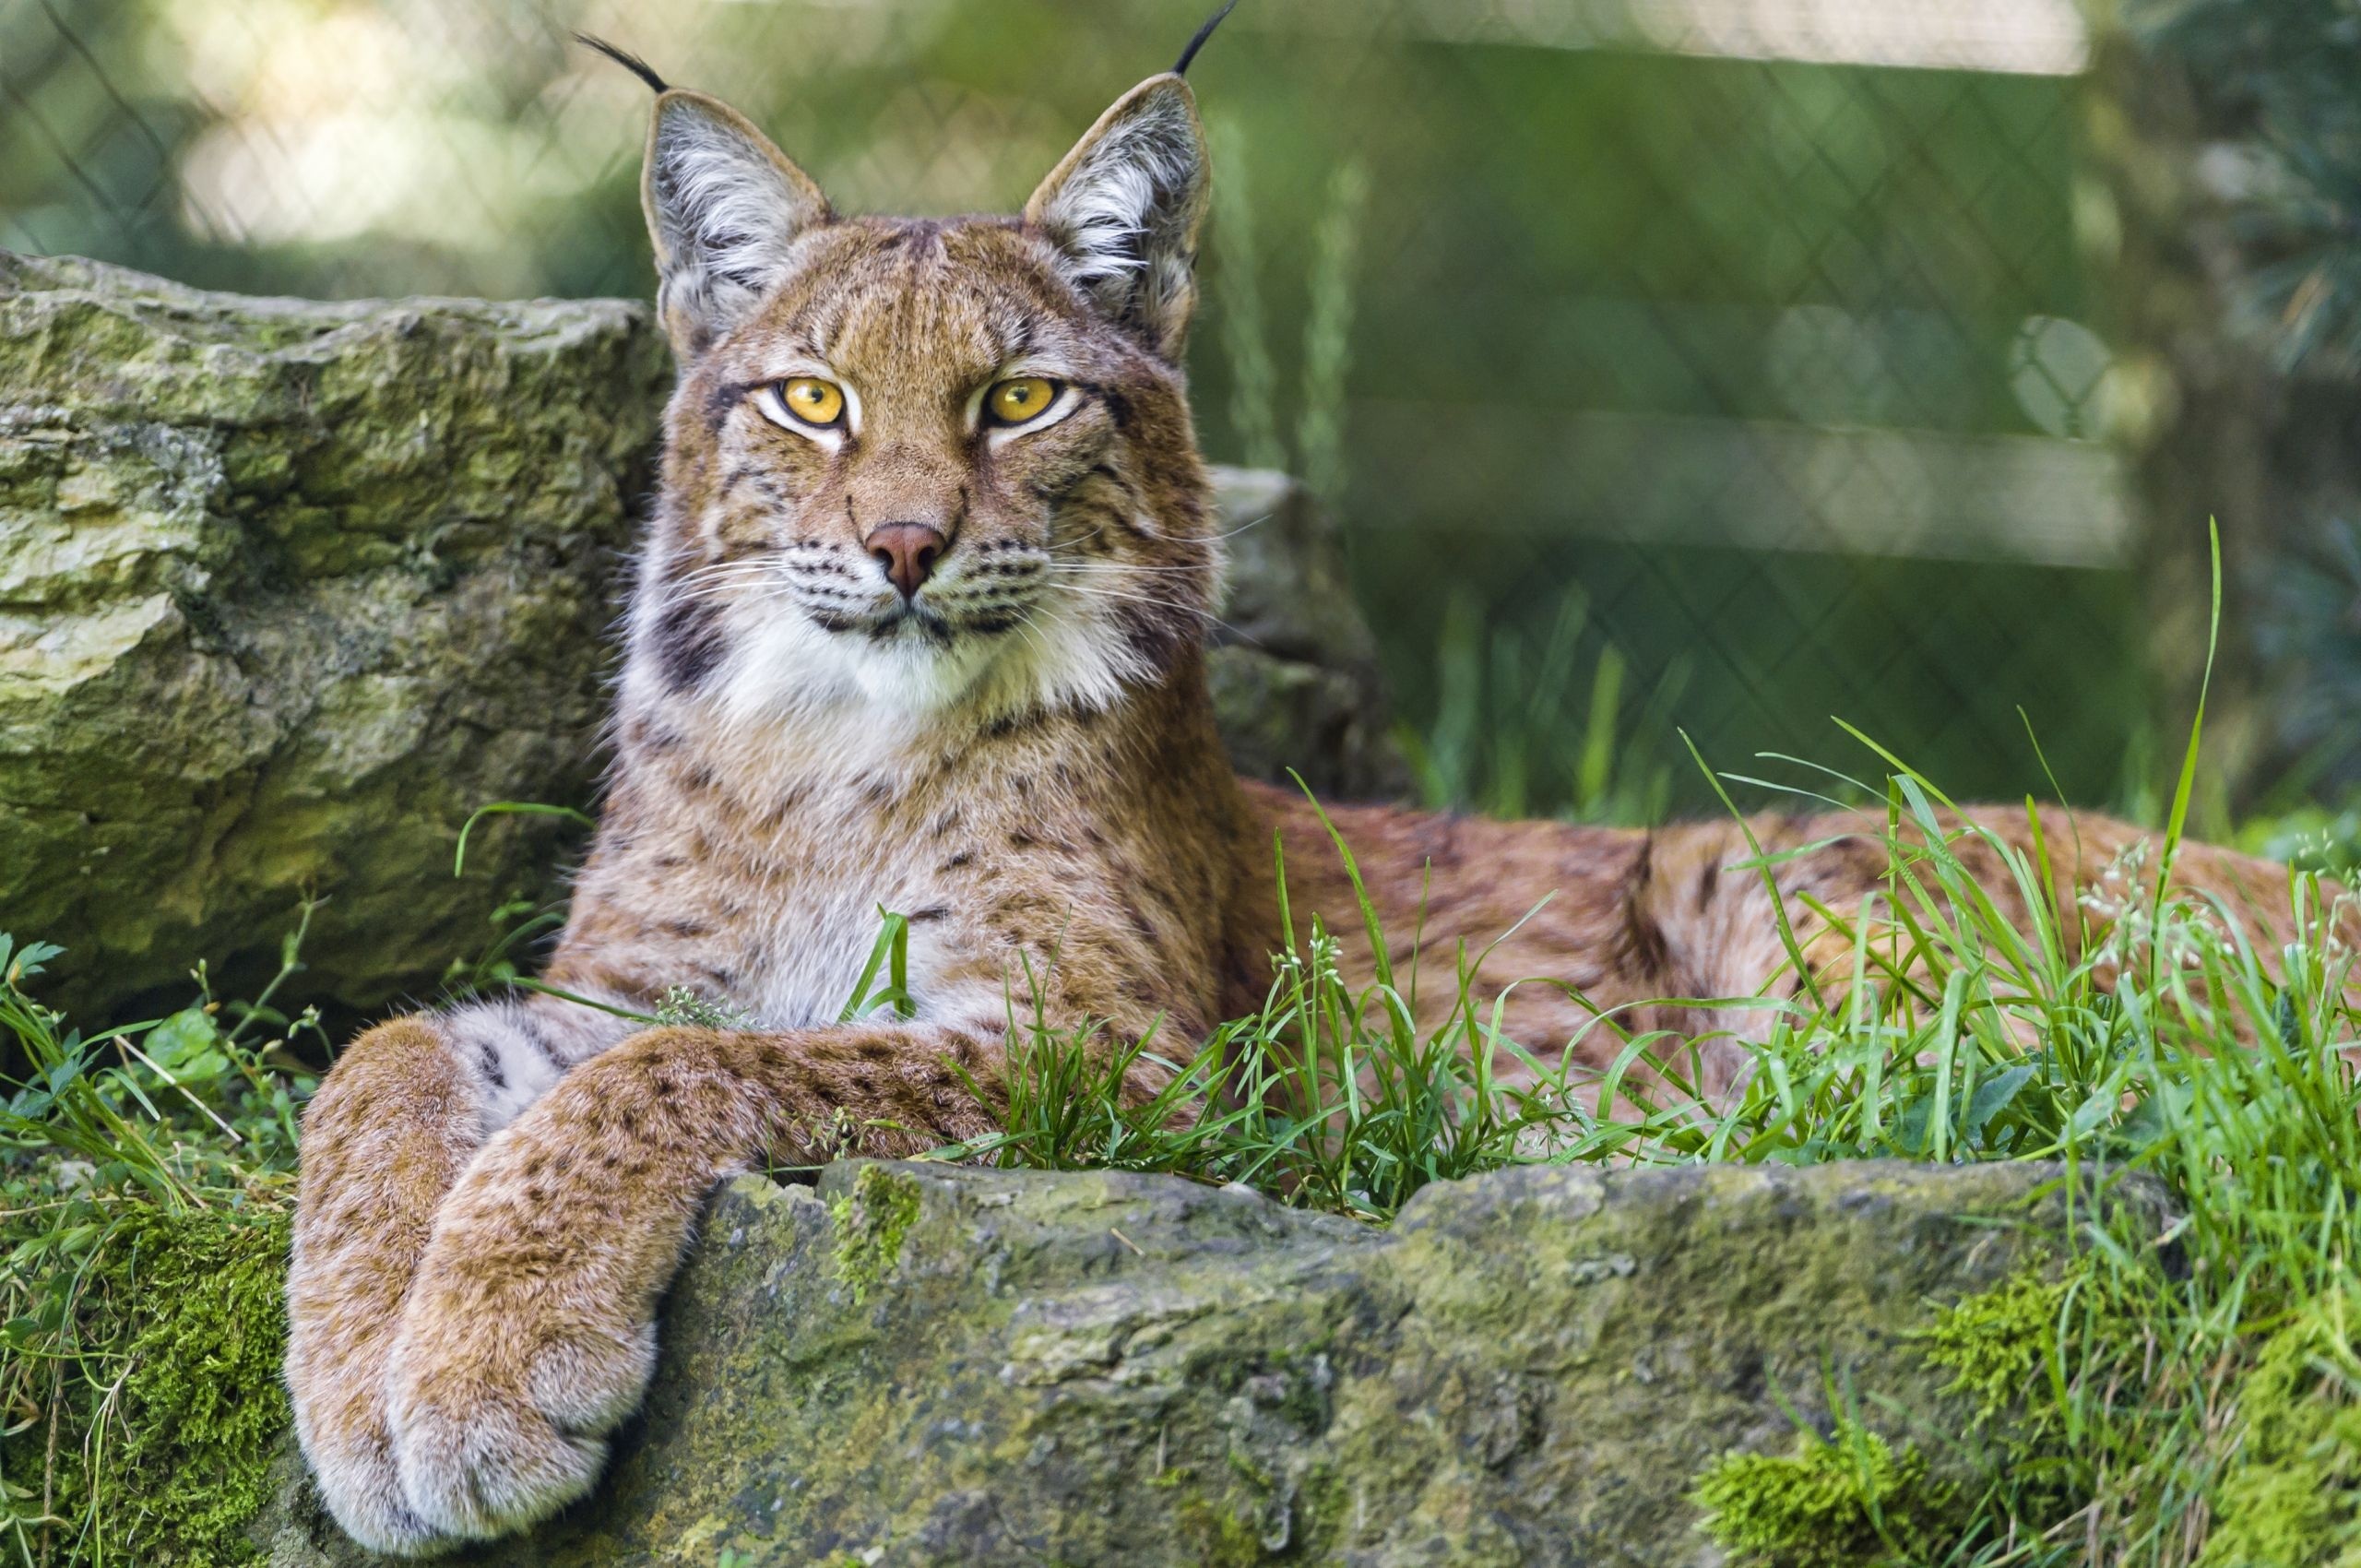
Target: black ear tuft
1189	54
634	64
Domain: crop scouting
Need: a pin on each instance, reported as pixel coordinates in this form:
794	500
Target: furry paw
491	1436
362	1488
336	1381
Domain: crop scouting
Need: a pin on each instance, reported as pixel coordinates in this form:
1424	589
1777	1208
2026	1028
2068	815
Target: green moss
1997	1342
2288	1496
1852	1503
2291	1496
172	1409
203	1406
1848	1501
1218	1535
870	1222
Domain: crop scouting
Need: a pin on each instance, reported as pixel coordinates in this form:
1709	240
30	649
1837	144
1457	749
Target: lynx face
918	466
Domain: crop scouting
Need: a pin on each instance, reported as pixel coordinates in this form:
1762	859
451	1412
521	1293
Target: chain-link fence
1716	365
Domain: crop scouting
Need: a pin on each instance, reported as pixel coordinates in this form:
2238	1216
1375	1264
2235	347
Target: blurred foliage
2261	108
2322	838
2287	74
1522	727
1781	361
2310	637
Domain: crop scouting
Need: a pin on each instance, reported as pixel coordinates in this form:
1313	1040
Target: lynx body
919	625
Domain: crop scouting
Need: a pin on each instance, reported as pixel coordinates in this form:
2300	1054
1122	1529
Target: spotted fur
1020	756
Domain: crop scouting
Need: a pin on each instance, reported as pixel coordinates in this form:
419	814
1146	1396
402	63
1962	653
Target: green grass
2124	1391
2164	1399
1527	727
2152	1393
145	1185
2154	1399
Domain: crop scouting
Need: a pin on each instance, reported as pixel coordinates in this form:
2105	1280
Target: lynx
918	622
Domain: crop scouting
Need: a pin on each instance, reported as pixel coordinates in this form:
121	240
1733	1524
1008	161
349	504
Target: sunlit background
1722	366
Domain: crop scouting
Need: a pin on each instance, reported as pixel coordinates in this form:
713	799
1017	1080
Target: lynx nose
908	552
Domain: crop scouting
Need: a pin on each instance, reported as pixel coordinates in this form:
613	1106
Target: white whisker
1241	528
723	568
1121	568
1143	598
737	588
1024	626
733	569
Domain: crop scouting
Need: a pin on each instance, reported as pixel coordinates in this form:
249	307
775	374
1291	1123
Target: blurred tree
2230	140
2282	88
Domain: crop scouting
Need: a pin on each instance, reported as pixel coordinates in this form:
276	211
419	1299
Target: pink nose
908	552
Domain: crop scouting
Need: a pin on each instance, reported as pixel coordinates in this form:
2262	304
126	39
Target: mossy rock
172	1410
1108	1368
1293	668
287	590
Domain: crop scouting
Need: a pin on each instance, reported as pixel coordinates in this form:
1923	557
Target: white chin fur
784	667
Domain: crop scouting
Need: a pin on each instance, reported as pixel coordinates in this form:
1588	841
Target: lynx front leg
388	1134
530	1334
392	1127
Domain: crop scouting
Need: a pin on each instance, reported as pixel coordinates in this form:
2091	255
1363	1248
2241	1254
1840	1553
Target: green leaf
1992	1097
185	1046
890	952
510	808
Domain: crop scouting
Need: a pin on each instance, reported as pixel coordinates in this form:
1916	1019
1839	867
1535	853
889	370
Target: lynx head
925	465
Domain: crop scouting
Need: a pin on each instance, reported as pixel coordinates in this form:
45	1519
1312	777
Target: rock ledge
1108	1369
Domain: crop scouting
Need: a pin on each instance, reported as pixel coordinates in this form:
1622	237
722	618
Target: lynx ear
1124	208
725	208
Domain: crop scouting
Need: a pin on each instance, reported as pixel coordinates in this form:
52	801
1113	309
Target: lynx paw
340	1420
489	1442
363	1490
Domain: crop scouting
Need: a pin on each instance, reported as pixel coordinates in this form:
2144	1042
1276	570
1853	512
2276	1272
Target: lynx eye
1021	399
811	401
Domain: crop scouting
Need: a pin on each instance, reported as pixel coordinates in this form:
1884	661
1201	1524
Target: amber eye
1021	399
814	401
